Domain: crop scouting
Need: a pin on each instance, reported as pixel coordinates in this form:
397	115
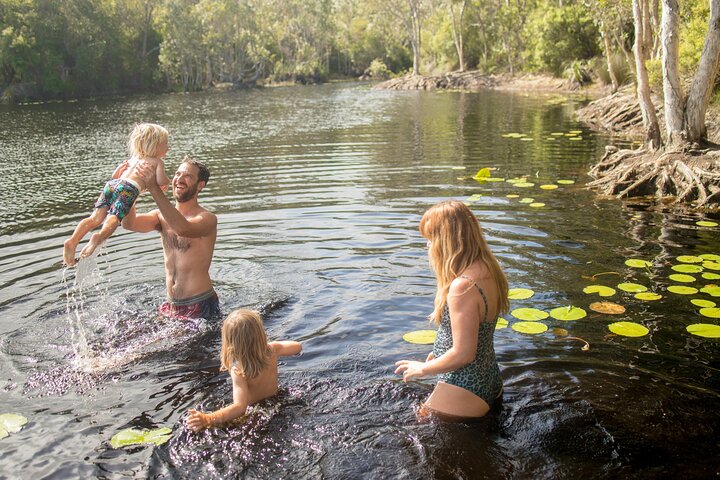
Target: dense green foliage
74	48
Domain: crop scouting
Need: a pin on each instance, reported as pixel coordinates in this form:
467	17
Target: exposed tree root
685	175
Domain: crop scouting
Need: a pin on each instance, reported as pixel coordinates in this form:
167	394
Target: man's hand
147	174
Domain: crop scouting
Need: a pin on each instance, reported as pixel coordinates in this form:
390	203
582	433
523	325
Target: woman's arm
464	322
286	348
199	420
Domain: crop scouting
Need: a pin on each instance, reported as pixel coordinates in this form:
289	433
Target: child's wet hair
244	343
146	140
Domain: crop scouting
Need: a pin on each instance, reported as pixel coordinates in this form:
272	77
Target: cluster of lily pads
572	135
485	175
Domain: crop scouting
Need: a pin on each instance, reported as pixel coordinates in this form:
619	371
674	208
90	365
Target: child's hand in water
410	369
198	420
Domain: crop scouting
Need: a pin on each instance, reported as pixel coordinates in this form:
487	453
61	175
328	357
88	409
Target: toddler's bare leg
97	239
81	230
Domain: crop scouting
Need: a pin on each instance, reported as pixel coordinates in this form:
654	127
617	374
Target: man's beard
187	195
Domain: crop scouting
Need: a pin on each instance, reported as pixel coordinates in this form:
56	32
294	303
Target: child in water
148	144
253	365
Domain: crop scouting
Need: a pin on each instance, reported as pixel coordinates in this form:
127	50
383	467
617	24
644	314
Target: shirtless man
188	234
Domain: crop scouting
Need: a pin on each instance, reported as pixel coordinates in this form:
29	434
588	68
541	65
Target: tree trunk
674	101
457	31
415	38
650	121
608	59
704	80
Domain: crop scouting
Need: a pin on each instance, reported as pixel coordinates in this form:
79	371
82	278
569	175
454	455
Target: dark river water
319	191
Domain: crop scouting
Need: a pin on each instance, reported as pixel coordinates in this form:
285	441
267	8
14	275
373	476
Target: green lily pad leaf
685	268
527	200
512	195
575	139
706	223
532	328
628	329
566	182
689	259
712	290
420	337
558	134
549	187
526	139
710	257
501	323
681	277
516	180
637	263
568	313
710	312
524	184
702	303
529	314
609	308
706	330
632	287
575	132
648	296
601	290
482	173
130	436
12	422
537	205
710	276
711	265
520	293
474	198
682	290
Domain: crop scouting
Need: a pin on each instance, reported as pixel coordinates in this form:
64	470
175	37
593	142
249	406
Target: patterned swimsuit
482	375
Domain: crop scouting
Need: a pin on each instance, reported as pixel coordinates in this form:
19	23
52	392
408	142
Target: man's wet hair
203	172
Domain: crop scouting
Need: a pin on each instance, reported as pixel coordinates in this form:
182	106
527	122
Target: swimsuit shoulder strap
482	294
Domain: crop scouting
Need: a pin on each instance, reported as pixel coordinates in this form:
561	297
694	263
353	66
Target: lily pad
710	276
482	173
537	205
524	184
706	223
501	323
706	330
512	195
702	303
710	256
130	436
681	277
712	290
529	314
637	263
711	265
532	328
11	423
575	132
609	308
420	337
520	293
474	198
632	287
648	296
527	200
601	290
689	259
685	268
710	312
568	313
566	182
628	329
549	187
682	290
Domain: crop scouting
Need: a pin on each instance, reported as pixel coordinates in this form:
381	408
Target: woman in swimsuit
471	292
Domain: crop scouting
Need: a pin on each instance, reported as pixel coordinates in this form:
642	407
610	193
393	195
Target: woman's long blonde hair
244	344
456	242
146	140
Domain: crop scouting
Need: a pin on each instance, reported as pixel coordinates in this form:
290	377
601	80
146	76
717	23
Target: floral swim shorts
118	197
206	305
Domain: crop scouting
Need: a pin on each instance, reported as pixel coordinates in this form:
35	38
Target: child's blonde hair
244	344
456	241
146	139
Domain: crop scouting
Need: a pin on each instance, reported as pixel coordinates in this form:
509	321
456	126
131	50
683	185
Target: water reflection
319	191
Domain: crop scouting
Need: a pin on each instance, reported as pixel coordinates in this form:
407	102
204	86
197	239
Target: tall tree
457	30
647	108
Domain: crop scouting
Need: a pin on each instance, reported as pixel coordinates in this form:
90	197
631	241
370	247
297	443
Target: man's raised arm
142	223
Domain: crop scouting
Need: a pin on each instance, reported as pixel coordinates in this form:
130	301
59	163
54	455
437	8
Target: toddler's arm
162	179
286	348
199	420
120	169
